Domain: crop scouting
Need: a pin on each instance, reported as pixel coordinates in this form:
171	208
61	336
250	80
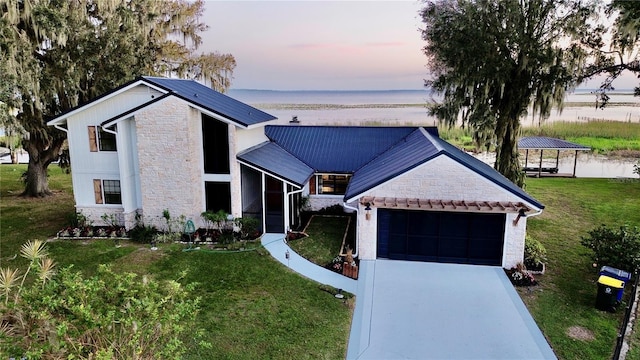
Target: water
408	107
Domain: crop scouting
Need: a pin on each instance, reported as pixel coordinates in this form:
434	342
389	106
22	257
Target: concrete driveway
418	310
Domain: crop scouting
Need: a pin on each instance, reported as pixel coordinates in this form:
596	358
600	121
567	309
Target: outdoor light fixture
368	211
521	213
287	256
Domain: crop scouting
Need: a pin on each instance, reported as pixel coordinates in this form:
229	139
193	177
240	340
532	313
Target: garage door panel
473	238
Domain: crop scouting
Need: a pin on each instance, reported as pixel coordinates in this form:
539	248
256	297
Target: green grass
253	307
566	296
324	240
600	136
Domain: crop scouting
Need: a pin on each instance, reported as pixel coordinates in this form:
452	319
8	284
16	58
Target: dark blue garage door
453	237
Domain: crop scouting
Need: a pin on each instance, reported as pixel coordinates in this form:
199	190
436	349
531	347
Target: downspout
287	197
61	128
344	204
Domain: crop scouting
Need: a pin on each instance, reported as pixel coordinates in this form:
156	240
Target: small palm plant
36	252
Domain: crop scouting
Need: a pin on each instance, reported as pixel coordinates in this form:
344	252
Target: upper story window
332	184
101	140
215	141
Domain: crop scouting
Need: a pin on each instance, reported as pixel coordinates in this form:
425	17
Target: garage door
465	238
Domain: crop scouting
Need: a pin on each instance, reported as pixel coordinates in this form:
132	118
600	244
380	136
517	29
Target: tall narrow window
215	141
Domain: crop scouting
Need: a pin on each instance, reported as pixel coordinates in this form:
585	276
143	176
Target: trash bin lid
615	273
609	281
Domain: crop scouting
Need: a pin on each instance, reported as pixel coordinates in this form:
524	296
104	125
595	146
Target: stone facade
169	140
442	178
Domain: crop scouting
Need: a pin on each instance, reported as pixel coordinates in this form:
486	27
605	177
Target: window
215	140
218	196
106	141
332	184
107	191
102	140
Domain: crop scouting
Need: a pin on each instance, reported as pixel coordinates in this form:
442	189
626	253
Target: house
157	143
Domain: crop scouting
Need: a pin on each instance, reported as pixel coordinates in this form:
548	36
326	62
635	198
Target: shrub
108	316
534	253
617	248
248	227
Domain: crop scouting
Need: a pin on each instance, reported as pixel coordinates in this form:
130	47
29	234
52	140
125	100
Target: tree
65	53
622	52
494	60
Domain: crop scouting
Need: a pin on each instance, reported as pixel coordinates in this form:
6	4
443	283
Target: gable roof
211	100
418	148
271	158
336	149
202	97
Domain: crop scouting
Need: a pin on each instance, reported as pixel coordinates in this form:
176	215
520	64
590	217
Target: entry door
274	206
466	238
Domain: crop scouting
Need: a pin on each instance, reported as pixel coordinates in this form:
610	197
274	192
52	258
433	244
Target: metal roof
211	100
541	142
271	158
414	150
418	148
336	149
188	90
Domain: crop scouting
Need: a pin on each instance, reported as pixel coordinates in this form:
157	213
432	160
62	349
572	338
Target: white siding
246	138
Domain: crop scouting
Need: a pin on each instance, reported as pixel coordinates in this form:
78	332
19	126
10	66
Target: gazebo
547	143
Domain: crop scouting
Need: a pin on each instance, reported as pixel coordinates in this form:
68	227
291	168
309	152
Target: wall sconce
367	215
521	214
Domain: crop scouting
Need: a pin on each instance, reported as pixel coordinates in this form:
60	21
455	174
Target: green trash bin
608	289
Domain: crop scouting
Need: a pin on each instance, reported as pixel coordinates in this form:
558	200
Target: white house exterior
157	143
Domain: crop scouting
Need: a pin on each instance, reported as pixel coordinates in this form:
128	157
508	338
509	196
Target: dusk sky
323	45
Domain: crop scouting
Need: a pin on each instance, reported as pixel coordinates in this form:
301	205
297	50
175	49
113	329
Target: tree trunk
507	162
40	156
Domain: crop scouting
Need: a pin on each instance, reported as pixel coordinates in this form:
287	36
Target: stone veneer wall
234	169
446	179
170	159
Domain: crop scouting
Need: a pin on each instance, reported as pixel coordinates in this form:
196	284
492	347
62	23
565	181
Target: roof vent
294	120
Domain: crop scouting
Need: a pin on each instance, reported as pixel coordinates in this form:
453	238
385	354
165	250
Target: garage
448	237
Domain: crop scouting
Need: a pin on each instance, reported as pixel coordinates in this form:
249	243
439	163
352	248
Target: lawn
324	242
565	297
252	307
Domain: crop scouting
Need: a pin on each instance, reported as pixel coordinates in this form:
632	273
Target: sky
324	45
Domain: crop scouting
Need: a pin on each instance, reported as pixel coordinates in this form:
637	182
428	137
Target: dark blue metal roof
271	158
211	100
418	148
541	142
412	151
337	149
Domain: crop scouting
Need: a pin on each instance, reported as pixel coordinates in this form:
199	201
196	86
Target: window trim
98	138
103	194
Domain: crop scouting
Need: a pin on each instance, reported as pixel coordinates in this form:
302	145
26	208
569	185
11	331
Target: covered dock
547	143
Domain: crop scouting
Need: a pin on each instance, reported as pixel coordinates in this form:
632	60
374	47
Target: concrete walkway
277	247
420	310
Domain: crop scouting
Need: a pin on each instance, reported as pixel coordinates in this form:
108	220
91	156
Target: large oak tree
58	54
493	61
